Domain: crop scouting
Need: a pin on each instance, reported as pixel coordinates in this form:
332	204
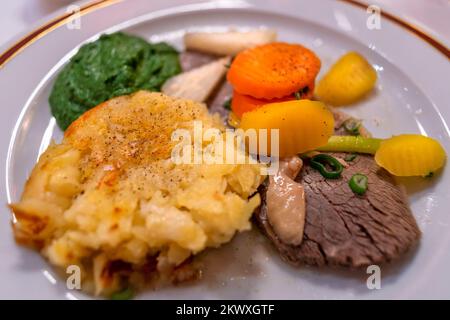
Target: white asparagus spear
227	43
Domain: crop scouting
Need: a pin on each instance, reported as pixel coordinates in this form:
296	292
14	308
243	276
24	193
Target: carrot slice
273	70
241	103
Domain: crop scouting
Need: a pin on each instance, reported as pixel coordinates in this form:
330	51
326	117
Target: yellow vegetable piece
233	120
303	124
348	80
410	155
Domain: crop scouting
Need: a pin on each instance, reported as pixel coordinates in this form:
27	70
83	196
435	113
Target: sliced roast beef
343	228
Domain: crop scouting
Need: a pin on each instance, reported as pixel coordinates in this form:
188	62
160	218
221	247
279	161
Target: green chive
227	104
228	65
350	157
125	294
320	161
299	94
430	174
352	126
358	183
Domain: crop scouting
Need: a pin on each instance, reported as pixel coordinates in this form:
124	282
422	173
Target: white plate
412	96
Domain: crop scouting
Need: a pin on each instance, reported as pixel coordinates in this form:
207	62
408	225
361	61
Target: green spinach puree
114	65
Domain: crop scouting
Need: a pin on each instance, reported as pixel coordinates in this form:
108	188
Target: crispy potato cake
110	199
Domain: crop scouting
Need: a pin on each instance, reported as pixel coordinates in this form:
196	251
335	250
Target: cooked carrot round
273	70
241	103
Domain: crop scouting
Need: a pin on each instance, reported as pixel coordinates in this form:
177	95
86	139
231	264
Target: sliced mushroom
286	202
